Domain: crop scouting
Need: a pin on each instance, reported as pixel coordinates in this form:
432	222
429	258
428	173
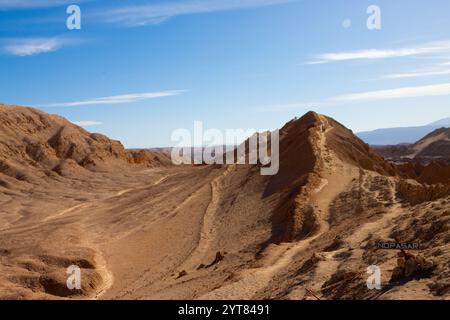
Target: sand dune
140	228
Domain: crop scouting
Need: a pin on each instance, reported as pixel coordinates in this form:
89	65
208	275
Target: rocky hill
214	231
34	145
435	145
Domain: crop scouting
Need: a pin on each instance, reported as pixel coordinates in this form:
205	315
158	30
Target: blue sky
137	70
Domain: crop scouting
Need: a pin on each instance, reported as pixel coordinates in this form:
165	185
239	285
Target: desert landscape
142	228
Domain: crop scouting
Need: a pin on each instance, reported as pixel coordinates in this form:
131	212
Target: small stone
397	274
181	274
401	262
411	267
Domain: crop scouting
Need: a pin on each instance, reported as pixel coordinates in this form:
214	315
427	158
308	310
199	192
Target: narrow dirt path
207	233
385	220
89	203
253	281
328	264
100	261
66	211
107	276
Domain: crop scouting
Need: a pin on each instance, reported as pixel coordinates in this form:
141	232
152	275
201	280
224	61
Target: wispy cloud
398	93
368	54
417	74
146	14
33	46
26	4
121	99
87	123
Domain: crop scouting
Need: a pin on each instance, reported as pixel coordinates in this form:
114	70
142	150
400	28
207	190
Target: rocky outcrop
305	147
34	144
415	193
432	173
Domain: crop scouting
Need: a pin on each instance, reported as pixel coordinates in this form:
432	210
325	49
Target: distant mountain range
394	136
434	146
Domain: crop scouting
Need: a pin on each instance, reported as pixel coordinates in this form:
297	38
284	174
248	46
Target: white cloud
126	98
398	93
87	123
425	49
25	4
145	14
417	74
34	46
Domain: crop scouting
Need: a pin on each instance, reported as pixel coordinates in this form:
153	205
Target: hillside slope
434	145
219	231
35	145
